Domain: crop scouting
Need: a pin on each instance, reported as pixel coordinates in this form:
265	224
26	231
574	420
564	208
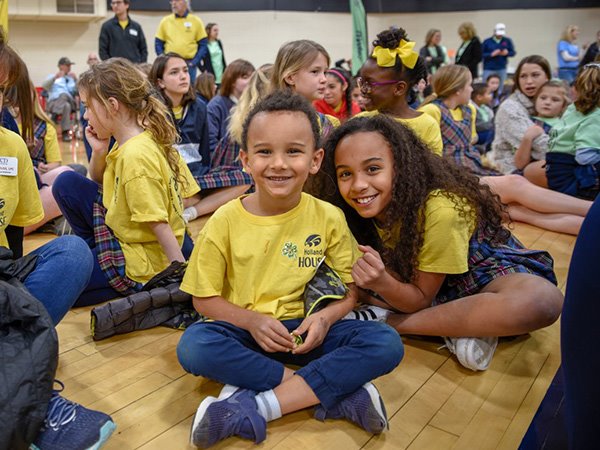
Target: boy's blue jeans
62	272
353	353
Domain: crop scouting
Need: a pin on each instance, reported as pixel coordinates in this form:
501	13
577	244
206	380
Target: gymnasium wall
256	35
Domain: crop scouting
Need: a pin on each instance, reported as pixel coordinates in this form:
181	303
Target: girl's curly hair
417	172
390	39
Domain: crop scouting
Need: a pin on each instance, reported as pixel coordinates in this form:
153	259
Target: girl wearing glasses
573	159
387	80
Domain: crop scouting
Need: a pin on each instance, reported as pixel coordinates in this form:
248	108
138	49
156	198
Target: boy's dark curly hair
391	39
417	172
283	101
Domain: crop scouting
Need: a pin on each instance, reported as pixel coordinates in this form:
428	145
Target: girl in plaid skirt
219	185
436	258
528	203
130	212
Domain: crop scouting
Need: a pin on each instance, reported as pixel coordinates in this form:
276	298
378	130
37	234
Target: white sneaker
369	312
474	353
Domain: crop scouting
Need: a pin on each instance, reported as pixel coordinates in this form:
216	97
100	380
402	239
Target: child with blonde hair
300	67
573	158
550	102
130	212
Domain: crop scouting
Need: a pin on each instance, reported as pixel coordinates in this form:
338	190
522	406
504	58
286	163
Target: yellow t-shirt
426	129
177	112
51	147
124	23
139	187
20	203
445	238
334	121
181	34
434	111
264	263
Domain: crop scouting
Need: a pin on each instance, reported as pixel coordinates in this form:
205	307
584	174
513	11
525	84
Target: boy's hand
270	334
316	327
369	270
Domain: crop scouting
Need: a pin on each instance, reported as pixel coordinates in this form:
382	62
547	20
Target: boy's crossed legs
333	374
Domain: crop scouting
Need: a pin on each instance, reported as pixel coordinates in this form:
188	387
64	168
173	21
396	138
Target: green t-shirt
216	59
576	131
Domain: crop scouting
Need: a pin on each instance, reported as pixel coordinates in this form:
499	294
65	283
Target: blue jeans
75	196
353	353
500	72
62	272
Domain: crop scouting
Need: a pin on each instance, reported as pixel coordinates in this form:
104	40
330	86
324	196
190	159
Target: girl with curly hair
387	81
436	257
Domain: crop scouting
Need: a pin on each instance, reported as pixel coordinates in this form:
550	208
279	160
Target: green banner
359	35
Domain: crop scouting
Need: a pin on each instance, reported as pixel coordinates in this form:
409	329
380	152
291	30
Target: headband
338	74
387	57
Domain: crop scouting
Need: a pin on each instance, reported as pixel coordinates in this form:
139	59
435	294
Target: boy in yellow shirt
248	272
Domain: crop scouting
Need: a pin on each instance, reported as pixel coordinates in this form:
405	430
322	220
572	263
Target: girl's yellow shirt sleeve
446	237
51	147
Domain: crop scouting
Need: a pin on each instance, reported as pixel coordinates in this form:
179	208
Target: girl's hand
369	270
98	145
270	334
316	326
43	167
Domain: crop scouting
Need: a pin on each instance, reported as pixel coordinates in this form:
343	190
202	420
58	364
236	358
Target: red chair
42	96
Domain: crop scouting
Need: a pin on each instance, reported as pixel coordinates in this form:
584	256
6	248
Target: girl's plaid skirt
490	261
226	168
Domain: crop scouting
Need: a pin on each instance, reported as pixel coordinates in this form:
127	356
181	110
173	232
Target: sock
227	391
268	405
189	214
368	312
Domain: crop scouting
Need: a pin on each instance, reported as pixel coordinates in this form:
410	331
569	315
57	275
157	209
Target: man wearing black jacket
121	36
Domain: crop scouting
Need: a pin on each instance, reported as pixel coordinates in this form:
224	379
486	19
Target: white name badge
9	166
189	152
188	24
133	32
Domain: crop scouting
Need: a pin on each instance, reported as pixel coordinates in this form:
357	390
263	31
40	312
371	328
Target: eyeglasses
590	65
116	3
367	86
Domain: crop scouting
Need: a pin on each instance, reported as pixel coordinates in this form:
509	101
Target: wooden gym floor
432	401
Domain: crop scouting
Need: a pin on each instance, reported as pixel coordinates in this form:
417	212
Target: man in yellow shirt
184	34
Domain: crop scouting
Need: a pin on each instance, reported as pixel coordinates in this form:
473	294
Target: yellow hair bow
387	57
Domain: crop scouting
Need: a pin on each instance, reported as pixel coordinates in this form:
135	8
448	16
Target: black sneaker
66	136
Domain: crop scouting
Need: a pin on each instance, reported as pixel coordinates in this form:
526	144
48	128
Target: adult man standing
62	90
184	34
121	36
496	51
